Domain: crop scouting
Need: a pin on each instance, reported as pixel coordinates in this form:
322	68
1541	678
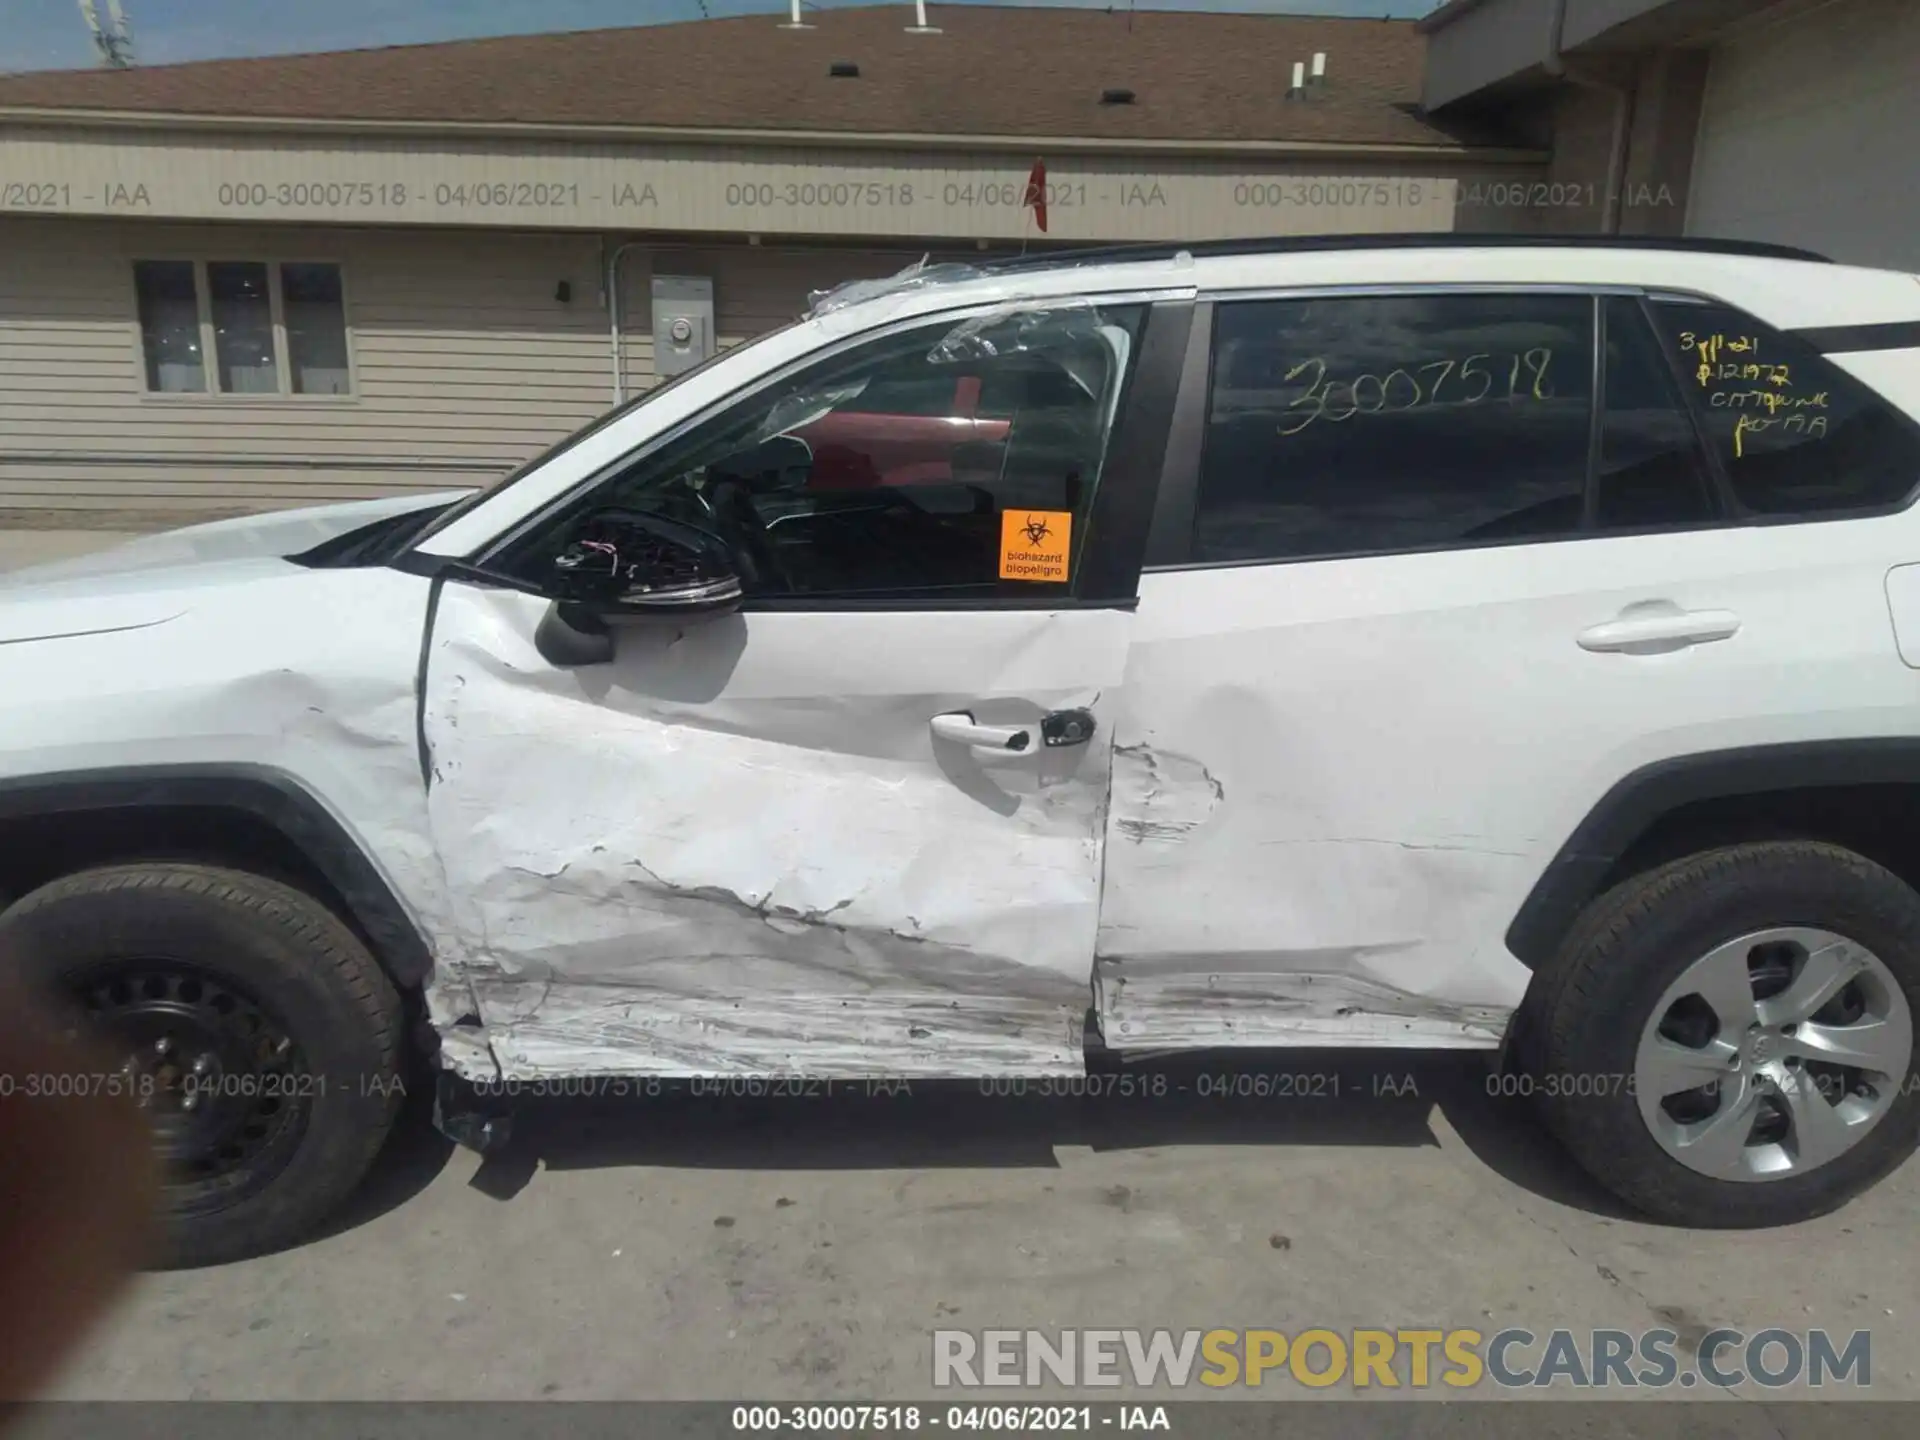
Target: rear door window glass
1360	425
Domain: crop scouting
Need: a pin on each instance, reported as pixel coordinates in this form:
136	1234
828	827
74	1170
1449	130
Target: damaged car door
1353	683
821	790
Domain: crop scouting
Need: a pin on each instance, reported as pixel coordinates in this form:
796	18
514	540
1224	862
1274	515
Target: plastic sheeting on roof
920	275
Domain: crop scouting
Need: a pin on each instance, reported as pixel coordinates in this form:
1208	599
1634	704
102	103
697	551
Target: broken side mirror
624	565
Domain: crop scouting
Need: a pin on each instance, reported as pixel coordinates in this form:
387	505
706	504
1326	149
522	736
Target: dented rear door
1450	566
766	844
1350	691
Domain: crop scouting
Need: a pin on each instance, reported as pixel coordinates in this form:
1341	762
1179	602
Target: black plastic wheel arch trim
265	794
1637	802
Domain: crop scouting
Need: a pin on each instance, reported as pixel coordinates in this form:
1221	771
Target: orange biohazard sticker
1033	544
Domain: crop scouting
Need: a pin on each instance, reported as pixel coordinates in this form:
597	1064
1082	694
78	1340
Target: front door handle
1652	630
960	727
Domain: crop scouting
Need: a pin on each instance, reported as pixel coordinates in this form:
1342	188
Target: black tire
258	968
1586	1010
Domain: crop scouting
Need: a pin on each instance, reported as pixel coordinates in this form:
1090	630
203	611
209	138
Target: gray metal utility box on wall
682	322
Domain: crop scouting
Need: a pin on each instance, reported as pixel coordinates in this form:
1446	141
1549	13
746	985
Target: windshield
441	519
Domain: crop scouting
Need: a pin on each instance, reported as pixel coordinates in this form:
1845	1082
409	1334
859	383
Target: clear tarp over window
918	276
1019	329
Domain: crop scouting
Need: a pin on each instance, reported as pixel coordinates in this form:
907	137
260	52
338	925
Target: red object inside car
856	449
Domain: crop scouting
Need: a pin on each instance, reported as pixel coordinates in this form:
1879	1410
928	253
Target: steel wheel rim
219	1078
1773	1054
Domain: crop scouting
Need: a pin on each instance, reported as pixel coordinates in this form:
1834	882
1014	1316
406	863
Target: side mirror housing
627	563
623	565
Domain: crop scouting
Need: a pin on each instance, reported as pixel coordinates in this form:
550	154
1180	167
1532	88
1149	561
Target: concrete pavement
806	1248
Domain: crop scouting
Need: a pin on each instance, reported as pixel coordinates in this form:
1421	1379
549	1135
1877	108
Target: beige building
238	284
1790	121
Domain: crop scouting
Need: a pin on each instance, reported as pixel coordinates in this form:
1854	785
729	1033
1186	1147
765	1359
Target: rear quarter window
1794	433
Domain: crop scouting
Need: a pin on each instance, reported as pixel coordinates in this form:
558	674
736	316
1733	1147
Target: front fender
264	794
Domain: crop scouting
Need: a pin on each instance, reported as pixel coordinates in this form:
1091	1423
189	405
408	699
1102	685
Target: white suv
1420	643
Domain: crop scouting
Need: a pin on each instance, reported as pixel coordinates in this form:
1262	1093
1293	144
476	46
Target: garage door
1808	133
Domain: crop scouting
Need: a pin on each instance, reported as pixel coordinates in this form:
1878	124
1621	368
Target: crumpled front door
739	848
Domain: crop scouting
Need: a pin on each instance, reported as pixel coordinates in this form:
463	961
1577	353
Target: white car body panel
278	532
239	675
1400	745
1317	795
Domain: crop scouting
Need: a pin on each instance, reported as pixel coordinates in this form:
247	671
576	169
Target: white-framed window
243	327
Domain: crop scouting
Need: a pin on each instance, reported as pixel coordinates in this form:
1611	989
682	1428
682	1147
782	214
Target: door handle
960	727
1654	630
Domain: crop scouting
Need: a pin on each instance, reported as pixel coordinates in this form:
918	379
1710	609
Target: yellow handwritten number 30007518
1474	381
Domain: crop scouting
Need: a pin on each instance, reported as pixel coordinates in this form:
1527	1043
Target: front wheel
1728	1040
258	1034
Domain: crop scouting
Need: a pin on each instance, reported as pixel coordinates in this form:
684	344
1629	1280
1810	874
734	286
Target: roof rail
1395	240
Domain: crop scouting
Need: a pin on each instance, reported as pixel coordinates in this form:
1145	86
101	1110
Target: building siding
465	362
234	176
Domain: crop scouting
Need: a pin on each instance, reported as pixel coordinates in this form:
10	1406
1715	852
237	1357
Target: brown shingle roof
997	71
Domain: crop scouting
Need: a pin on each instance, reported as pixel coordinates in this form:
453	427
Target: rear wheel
1728	1040
259	1034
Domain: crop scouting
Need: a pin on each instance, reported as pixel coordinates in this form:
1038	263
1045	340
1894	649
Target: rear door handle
1652	631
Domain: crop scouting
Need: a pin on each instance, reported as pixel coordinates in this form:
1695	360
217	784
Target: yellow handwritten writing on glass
1752	425
1450	384
1313	395
1768	400
1708	349
1772	374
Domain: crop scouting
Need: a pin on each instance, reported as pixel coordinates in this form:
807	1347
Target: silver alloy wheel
1772	1054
